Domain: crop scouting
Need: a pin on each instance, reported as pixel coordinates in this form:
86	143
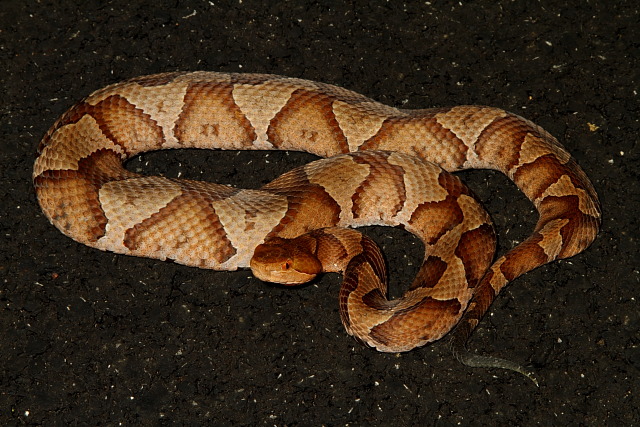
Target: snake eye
286	265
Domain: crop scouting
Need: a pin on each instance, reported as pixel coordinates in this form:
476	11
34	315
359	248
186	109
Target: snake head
284	261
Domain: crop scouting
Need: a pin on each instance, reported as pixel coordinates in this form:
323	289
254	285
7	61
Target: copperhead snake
380	169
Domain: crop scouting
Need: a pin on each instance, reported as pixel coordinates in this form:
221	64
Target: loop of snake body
383	168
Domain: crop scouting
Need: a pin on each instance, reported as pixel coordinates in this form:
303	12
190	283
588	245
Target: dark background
94	338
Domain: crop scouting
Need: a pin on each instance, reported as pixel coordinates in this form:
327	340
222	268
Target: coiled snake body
387	179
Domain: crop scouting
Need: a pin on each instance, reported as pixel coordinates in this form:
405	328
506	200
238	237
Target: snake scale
383	166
